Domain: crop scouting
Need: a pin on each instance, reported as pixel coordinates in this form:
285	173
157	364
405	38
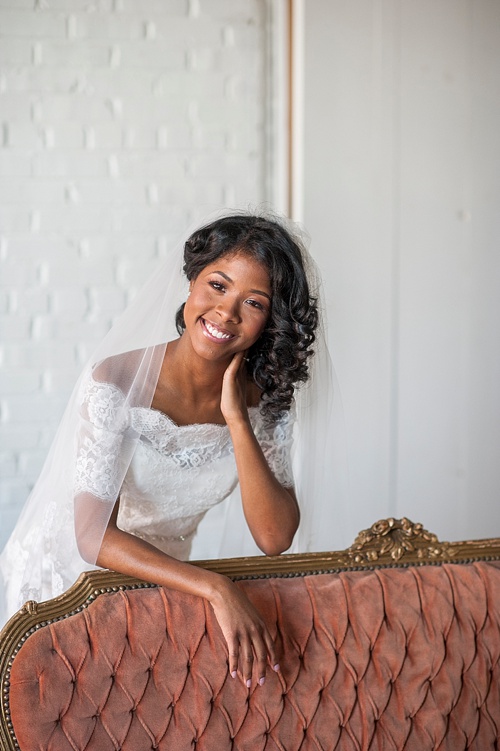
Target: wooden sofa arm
392	643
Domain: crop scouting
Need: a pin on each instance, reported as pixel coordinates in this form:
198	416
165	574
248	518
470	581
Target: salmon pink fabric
382	660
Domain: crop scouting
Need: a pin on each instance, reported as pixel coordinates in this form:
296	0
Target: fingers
246	663
233	648
254	661
250	645
271	651
251	655
233	396
236	363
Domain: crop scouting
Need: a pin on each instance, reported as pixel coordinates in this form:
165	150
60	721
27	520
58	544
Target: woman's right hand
249	642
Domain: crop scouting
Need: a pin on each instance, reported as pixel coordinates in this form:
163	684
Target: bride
161	429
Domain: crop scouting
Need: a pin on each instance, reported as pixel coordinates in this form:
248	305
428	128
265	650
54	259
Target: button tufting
295	702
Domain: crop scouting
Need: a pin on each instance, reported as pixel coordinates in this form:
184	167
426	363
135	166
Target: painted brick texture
121	124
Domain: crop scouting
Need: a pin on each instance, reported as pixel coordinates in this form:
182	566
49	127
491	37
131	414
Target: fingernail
276	667
261	681
249	683
233	674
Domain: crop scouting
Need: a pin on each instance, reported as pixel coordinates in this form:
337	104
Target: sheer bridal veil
42	557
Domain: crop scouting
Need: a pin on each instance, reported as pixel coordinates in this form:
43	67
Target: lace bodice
176	474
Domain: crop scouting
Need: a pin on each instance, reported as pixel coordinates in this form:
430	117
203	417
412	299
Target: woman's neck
189	387
197	374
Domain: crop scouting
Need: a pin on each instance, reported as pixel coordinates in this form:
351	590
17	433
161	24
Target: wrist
219	587
238	423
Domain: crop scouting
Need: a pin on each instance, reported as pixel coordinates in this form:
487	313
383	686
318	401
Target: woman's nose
228	309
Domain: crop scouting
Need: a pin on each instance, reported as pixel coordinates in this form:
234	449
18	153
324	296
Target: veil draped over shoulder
43	558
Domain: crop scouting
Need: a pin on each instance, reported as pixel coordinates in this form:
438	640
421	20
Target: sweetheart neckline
164	414
190	424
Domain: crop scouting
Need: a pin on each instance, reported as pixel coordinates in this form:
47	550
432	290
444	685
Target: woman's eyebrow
255	291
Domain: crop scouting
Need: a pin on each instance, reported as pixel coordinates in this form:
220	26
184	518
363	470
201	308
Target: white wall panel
435	110
348	210
401	163
482	423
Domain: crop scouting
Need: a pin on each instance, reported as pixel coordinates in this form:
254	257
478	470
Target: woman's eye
218	286
256	304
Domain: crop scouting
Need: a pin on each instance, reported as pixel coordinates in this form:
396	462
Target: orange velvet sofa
391	644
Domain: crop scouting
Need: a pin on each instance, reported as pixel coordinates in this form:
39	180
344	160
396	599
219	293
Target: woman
166	430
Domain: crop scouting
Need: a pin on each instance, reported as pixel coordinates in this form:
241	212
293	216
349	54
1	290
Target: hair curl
278	359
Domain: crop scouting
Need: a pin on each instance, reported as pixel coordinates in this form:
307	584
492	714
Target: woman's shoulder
106	385
121	370
103	369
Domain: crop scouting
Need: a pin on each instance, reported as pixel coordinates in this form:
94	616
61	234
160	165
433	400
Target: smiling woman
162	428
228	304
277	360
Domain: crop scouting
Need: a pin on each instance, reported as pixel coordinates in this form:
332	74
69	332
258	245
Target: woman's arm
248	640
271	510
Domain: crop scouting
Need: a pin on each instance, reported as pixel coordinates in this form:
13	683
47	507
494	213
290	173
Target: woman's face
228	306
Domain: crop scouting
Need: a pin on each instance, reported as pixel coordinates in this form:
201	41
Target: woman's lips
214	332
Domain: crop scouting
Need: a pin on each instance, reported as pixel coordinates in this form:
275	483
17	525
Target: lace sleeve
104	419
276	443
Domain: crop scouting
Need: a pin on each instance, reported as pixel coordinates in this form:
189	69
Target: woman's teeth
215	332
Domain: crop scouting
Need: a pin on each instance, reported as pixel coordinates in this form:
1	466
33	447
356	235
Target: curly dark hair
278	359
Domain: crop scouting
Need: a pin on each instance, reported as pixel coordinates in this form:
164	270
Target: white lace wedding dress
177	472
176	475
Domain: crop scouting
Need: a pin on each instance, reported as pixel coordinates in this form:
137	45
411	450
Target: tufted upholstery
388	659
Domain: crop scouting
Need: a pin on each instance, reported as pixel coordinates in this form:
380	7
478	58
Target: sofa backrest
392	644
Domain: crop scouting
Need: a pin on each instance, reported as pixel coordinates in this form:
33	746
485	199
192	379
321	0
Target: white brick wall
121	122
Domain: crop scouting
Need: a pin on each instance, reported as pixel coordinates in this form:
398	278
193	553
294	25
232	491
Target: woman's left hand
233	402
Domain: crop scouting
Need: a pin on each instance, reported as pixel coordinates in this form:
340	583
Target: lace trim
101	463
276	443
99	468
105	406
186	446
